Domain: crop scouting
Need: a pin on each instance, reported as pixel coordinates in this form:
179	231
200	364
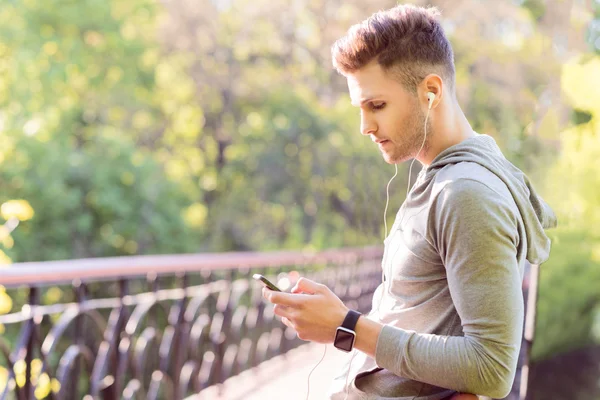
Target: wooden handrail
52	272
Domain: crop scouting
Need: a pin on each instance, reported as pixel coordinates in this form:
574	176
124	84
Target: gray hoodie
451	297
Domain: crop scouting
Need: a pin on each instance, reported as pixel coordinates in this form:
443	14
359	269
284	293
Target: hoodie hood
535	213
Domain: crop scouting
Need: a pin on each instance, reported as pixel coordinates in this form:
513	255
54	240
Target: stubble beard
412	141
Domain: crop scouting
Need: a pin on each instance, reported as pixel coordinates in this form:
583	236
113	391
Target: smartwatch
345	334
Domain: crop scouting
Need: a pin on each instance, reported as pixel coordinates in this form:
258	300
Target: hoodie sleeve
475	230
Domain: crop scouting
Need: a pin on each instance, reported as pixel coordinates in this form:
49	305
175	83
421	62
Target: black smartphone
266	282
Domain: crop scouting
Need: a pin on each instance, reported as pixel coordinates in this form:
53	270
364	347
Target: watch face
344	339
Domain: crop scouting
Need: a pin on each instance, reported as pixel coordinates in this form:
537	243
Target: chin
391	159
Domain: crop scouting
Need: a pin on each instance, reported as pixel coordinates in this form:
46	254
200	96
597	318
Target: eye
377	106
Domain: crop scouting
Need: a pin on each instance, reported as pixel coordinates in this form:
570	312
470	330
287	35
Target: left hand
312	309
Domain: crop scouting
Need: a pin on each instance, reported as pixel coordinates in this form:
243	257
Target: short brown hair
406	40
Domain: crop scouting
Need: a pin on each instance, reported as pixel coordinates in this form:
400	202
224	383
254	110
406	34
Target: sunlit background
180	126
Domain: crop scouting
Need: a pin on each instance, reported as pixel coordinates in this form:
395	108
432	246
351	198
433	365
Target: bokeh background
180	126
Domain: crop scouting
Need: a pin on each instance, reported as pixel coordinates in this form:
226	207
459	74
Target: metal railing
156	327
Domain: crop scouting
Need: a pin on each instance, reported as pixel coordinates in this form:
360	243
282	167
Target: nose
367	124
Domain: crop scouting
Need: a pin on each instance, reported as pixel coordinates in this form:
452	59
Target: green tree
569	303
83	98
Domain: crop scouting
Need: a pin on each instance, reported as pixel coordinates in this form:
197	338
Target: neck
449	127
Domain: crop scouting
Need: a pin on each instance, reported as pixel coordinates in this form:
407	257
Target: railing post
115	359
530	319
179	340
79	298
33	301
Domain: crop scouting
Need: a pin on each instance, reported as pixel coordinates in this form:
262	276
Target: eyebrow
365	100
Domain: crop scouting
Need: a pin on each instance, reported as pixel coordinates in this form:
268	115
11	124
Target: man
448	316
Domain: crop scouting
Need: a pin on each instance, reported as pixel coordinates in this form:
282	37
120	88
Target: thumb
306	286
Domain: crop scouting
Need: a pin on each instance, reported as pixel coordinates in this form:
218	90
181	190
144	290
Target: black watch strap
351	320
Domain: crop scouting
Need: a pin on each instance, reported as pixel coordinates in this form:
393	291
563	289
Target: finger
296	290
282	311
287	322
284	299
265	292
305	285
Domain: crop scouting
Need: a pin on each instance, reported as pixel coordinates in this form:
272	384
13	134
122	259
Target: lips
381	143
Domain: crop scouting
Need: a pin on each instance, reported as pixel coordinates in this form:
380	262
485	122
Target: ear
432	83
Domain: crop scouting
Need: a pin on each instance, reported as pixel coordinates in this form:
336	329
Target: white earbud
430	97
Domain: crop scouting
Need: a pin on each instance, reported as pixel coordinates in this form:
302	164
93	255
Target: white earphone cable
421	149
387	201
315	367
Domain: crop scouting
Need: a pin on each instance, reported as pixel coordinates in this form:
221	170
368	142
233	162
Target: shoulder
471	196
467	182
472	210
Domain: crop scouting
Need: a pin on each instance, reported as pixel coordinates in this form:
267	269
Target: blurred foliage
569	304
42	382
569	299
139	127
79	99
593	36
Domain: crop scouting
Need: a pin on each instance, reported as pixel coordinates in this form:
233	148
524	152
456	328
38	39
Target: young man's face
390	115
